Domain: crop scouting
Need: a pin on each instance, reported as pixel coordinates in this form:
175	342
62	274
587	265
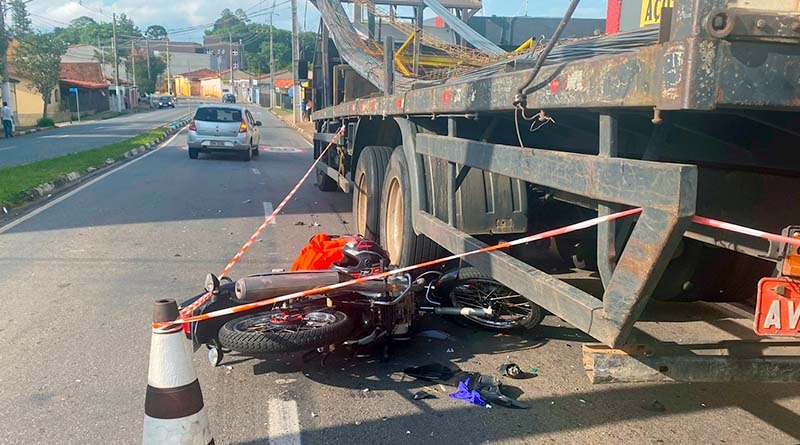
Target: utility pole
6	88
295	63
169	74
271	61
133	63
526	8
230	59
147	49
116	60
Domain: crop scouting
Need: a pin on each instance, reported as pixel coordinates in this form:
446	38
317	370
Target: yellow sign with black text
651	11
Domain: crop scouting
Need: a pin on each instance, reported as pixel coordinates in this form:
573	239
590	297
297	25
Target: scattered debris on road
655	406
422	395
511	370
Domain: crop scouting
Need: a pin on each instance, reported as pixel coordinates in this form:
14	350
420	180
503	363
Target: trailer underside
695	125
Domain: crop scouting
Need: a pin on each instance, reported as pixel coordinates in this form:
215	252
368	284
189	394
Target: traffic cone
173	406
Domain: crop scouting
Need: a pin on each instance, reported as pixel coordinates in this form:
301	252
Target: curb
33	130
46	189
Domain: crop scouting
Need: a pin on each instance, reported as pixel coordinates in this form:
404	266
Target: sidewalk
306	129
105	115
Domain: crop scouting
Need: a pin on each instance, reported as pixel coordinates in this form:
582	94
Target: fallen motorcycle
353	316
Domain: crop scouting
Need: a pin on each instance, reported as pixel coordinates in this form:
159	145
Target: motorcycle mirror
211	283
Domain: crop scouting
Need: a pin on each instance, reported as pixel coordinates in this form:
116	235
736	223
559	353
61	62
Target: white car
224	128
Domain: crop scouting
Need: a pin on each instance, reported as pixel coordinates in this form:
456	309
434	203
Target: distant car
228	98
224	129
166	101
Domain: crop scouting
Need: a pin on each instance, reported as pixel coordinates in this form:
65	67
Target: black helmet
362	257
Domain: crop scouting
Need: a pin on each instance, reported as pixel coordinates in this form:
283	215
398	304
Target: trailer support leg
606	232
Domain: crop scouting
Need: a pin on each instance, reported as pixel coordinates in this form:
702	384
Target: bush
45	122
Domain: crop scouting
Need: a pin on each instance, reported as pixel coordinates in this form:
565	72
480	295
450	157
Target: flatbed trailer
704	121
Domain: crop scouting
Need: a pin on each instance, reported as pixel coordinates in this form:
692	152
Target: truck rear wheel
396	229
368	181
325	183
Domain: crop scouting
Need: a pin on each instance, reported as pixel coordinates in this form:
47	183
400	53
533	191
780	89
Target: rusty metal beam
670	187
666	192
730	361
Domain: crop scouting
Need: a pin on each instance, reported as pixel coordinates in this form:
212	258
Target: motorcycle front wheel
274	332
474	289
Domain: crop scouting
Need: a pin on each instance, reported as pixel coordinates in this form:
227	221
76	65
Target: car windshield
166	98
218	115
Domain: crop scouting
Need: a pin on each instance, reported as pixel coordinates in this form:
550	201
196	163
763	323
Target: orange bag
321	252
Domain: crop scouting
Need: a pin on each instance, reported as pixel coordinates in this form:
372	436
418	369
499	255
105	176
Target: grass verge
14	181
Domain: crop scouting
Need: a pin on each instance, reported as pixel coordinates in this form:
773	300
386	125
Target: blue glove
464	393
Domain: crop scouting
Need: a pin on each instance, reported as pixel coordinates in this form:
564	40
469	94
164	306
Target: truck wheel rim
394	220
361	206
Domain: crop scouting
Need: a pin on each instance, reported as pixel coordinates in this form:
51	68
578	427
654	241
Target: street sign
77	101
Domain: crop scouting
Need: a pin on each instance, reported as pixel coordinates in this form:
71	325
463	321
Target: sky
177	16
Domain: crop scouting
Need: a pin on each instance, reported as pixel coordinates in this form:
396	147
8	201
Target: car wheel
255	151
247	155
193	152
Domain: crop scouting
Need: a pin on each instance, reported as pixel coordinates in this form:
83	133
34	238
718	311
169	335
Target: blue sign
291	92
73	90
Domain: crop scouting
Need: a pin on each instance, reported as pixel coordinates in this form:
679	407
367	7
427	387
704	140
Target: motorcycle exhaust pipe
484	312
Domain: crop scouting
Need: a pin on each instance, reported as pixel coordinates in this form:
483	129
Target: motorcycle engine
402	314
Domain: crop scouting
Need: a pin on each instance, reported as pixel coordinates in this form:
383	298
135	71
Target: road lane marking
284	427
75	191
268	211
8	148
256	171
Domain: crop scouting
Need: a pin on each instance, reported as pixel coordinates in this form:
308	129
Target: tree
255	37
38	59
145	83
20	20
155	32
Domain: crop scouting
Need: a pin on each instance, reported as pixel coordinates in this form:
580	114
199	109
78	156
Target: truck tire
256	333
368	183
324	182
472	283
396	230
676	283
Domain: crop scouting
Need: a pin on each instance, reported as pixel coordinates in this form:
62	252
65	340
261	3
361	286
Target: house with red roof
84	84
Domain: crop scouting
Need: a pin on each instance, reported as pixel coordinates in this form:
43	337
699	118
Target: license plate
778	307
216	143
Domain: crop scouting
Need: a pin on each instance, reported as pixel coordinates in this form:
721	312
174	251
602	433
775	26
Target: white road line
284	427
256	171
8	148
268	211
63	197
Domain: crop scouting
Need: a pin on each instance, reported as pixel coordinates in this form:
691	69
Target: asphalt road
85	135
80	277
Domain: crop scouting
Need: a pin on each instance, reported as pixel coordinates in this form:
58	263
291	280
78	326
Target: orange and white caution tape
191	308
323	289
717	224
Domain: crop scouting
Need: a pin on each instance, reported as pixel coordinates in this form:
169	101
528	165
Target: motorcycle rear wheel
260	333
474	289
